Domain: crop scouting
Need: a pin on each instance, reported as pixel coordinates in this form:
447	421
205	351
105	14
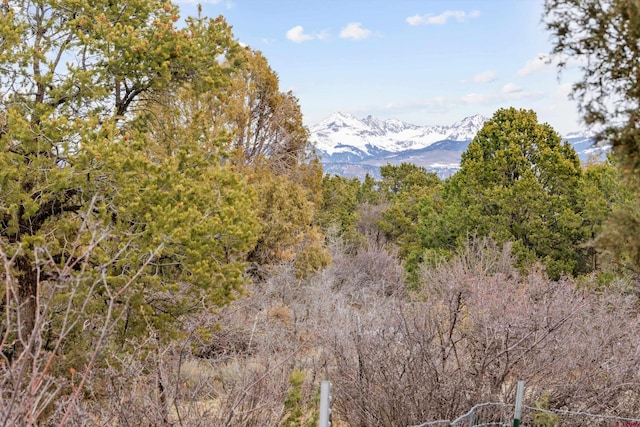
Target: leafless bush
601	354
370	269
194	392
240	371
42	380
369	216
474	329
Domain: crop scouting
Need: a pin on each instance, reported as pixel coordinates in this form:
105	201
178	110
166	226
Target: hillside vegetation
171	253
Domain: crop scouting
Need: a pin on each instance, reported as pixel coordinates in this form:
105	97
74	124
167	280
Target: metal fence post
519	398
325	404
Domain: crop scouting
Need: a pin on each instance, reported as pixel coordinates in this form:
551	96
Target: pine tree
78	155
518	182
603	38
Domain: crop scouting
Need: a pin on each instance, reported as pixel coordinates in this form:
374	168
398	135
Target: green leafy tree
286	215
339	206
369	191
404	186
518	182
75	145
267	141
235	106
407	187
601	192
615	246
603	37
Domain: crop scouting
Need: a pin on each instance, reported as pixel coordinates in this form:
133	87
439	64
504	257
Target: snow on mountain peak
345	133
338	120
342	132
467	128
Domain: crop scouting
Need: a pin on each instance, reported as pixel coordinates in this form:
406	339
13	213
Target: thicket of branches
396	356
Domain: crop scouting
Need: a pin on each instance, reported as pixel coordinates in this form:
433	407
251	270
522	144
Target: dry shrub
369	216
367	269
474	329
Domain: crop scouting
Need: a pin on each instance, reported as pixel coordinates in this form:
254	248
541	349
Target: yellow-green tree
77	148
338	212
268	141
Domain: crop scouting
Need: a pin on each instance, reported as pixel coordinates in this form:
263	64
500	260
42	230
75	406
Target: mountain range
352	147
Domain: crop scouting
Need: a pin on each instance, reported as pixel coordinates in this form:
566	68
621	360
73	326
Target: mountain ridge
350	146
393	135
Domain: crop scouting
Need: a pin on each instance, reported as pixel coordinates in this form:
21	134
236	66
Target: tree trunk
27	303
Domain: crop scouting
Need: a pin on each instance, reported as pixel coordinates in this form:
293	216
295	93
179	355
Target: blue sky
425	62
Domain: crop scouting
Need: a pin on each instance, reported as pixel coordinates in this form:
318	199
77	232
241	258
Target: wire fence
501	414
484	414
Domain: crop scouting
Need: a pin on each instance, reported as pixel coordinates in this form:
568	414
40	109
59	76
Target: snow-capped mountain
344	133
350	146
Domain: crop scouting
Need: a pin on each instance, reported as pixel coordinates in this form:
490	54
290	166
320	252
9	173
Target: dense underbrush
395	356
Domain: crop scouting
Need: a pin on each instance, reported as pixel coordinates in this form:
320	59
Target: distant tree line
519	183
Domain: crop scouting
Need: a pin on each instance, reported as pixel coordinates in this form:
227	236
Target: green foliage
313	256
619	236
286	215
604	36
267	140
518	182
300	411
368	192
158	218
542	418
294	412
601	192
409	189
243	117
339	206
264	124
405	178
405	186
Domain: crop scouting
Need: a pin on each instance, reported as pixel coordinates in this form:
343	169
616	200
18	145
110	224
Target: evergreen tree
603	37
518	182
77	149
407	188
339	206
404	186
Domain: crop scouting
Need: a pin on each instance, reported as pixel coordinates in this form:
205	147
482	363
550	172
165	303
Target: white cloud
521	94
485	77
511	88
549	63
354	30
480	98
541	62
297	35
430	19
